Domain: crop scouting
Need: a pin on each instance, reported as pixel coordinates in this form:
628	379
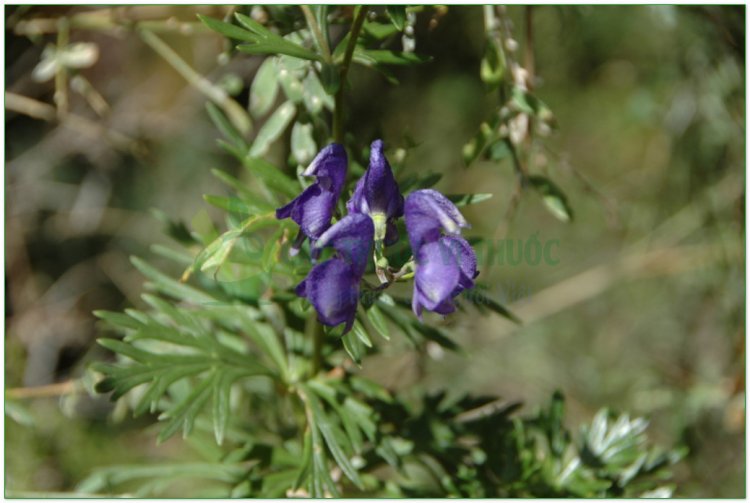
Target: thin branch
45	112
529	46
315	29
338	114
46	391
61	74
114	20
236	114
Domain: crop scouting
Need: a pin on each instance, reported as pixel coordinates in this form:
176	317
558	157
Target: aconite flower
313	209
377	195
445	262
332	287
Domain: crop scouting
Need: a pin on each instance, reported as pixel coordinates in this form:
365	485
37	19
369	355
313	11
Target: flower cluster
445	263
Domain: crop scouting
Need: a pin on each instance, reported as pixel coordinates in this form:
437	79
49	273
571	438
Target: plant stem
236	114
315	29
61	75
113	20
529	47
43	111
338	113
46	391
314	330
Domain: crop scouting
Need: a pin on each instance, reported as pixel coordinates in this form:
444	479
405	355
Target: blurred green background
644	312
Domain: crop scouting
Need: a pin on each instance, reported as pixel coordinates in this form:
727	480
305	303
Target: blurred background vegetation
644	312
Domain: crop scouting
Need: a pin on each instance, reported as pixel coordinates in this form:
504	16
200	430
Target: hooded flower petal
437	276
427	213
312	210
352	237
333	289
329	166
467	261
377	193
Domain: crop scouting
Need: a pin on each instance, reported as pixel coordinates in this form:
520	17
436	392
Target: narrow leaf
272	129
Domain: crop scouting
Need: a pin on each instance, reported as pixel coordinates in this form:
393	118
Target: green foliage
230	356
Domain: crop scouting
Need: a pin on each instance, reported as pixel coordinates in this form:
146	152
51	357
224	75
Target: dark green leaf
230	204
385	57
353	347
272	176
227	128
397	13
554	198
378	321
492	68
267	42
228	30
467	199
328	430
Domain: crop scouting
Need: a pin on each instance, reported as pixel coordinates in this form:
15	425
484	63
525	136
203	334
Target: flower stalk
338	112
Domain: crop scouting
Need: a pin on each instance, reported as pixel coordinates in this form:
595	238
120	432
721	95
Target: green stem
317	336
61	75
315	29
338	114
236	113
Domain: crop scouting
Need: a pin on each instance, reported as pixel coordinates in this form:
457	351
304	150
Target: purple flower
445	264
377	194
312	210
332	287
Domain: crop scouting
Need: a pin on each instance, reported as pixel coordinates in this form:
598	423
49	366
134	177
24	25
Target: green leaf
316	95
328	394
169	286
425	182
272	176
397	13
492	67
467	199
272	129
248	197
289	78
103	479
302	143
217	252
330	80
265	88
486	134
221	406
18	413
118	320
230	204
361	334
161	383
475	295
329	432
378	321
267	42
225	126
184	413
228	30
435	335
554	198
306	459
379	31
385	57
177	230
499	150
353	346
265	338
